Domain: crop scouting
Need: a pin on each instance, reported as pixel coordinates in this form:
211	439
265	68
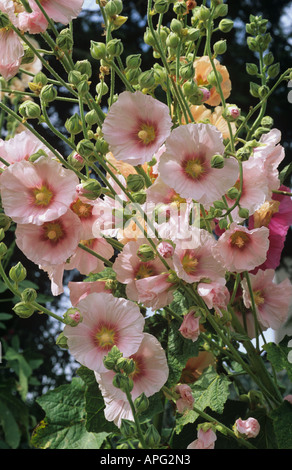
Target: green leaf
210	390
64	424
5	316
282	422
94	404
10	427
279	355
179	351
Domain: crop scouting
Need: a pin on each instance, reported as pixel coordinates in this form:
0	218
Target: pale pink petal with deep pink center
118	319
80	290
130	115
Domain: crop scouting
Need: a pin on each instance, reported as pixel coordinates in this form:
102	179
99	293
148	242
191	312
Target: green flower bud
135	182
176	26
3	250
101	146
133	61
212	80
91	117
64	40
220	10
28	56
263	91
5	222
29	295
23	309
76	161
48	93
101	88
2	234
146	253
133	76
232	193
161	6
251	69
152	437
83	88
91	189
128	428
73	124
217	161
97	50
74	77
123	382
203	13
38	82
267	121
274	70
17	273
223	224
35	156
85	148
72	317
243	213
268	58
125	365
231	113
187	71
260	131
84	67
114	47
140	197
113	8
226	25
193	34
220	47
111	359
141	403
172	40
254	89
190	88
219	205
62	341
4	20
30	110
180	8
148	38
147	79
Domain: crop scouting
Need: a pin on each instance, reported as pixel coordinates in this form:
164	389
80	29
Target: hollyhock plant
107	321
205	440
37	192
150	374
136	126
51	243
186	163
272	300
239	249
249	427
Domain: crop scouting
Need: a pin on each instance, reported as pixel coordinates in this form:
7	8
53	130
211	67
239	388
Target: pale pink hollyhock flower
87	263
51	243
37	192
215	294
145	281
197	263
239	249
186	400
107	321
10	45
150	374
80	290
185	165
21	147
61	11
136	126
190	327
84	208
32	23
288	398
203	67
249	427
165	249
272	300
205	440
254	188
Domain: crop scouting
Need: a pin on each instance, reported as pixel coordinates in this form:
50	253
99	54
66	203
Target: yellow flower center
239	239
82	209
263	215
146	134
145	270
194	168
105	337
42	196
53	231
88	243
258	297
189	263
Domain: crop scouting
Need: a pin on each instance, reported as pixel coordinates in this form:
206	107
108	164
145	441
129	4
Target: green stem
136	419
105	261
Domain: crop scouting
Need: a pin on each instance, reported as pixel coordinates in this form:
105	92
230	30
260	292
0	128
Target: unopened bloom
272	300
190	327
37	192
249	427
186	167
215	294
205	440
136	126
107	321
239	249
186	399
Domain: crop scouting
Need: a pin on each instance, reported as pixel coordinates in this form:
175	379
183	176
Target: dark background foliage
35	337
